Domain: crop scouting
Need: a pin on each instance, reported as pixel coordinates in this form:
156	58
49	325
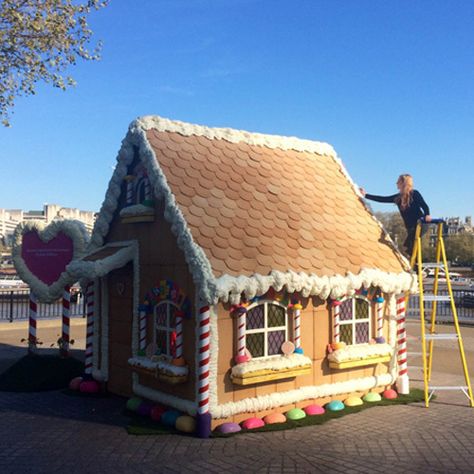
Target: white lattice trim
137	210
276	399
360	352
230	288
271	363
75	230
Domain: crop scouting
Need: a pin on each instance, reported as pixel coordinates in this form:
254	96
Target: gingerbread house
233	274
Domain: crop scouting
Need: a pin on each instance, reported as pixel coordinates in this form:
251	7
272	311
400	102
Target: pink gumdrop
156	412
314	410
252	423
390	394
240	359
89	386
75	383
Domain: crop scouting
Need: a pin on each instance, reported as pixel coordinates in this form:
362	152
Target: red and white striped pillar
379	301
32	323
142	329
297	329
336	311
241	312
204	334
129	191
403	383
64	347
179	335
90	328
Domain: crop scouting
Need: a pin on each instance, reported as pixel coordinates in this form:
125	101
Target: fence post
11	306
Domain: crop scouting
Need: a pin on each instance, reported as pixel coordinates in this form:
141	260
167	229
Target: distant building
453	226
10	218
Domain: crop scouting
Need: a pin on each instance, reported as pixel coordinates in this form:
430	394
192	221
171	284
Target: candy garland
90	329
66	322
204	416
32	323
402	380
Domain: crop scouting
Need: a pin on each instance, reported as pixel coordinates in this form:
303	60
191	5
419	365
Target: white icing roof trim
98	268
160	364
211	290
271	363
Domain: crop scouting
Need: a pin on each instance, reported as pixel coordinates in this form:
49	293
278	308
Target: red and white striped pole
90	328
179	335
142	330
32	323
379	309
403	383
204	333
129	191
297	321
336	311
64	349
241	312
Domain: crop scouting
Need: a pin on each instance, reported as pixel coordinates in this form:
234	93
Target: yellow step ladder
427	354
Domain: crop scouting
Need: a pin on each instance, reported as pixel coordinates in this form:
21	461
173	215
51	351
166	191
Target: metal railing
464	300
15	303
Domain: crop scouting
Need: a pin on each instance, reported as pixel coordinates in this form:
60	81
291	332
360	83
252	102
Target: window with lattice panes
266	329
165	328
355	321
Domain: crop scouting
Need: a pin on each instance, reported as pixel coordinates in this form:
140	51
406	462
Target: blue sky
389	84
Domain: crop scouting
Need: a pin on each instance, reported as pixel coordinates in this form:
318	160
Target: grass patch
144	426
38	373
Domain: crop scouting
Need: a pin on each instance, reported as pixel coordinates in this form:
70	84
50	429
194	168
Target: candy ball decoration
299	350
274	418
295	414
144	409
169	417
287	348
178	362
314	410
372	397
89	386
335	405
380	340
353	402
390	394
75	383
227	428
252	423
186	424
156	412
133	403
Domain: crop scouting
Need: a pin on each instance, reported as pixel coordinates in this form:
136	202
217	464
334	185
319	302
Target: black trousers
410	240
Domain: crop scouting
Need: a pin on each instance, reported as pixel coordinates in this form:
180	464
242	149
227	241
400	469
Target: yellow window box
348	364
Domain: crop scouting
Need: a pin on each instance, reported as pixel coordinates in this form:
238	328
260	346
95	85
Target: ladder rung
436	298
447	387
414	354
433	265
446	336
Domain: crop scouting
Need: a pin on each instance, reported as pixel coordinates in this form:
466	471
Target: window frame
354	321
265	329
140	187
168	329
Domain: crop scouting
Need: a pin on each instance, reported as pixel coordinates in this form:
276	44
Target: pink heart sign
41	255
47	260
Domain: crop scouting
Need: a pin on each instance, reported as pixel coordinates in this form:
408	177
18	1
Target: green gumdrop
372	397
133	403
295	414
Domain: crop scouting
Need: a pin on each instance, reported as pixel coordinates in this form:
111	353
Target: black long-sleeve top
416	209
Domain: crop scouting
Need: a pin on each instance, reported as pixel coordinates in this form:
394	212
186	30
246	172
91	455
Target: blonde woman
411	205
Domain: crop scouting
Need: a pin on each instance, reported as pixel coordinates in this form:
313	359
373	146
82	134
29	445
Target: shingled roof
257	204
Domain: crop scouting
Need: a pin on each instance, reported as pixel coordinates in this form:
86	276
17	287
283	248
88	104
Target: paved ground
52	432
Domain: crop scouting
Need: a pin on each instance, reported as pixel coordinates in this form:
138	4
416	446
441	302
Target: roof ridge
281	142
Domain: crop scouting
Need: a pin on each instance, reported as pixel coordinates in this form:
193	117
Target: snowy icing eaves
227	288
271	363
360	351
137	210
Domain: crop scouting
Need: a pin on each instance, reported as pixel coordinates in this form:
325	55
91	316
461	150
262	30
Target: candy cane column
90	329
32	323
241	312
336	310
403	385
64	346
179	336
297	321
142	312
204	333
379	309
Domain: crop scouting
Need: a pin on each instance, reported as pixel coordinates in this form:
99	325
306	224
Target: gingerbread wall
159	259
316	333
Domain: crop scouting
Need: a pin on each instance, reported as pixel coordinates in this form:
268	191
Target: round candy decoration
227	428
75	383
287	348
335	405
252	423
390	394
372	397
295	414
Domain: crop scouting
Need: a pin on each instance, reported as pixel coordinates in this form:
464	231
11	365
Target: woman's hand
427	218
362	191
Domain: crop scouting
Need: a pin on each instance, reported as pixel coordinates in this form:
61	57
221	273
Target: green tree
460	248
393	224
39	40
